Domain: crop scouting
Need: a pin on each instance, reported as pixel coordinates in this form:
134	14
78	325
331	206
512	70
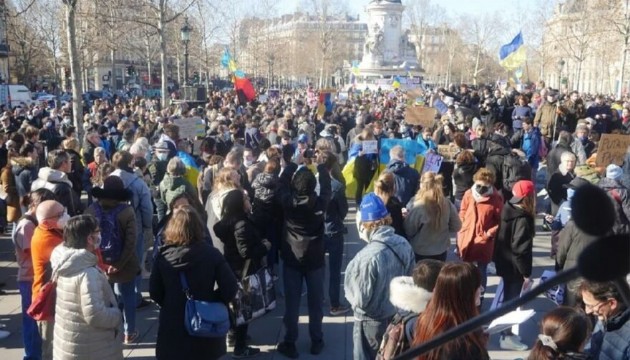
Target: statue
374	41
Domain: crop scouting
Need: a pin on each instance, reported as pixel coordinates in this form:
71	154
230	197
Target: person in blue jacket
531	144
426	141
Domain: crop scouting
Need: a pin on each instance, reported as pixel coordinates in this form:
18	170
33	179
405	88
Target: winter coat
554	157
140	201
545	118
572	241
337	209
531	144
425	145
204	267
241	243
264	186
408	299
407	180
24	172
612	343
76	172
214	207
157	170
372	269
480	224
463	179
14	211
87	318
172	186
58	182
556	186
521	112
620	197
480	147
494	162
302	244
426	240
514	243
128	265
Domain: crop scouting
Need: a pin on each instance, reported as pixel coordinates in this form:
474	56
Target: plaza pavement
268	331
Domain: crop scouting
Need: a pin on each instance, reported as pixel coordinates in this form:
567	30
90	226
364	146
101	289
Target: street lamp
185	34
560	66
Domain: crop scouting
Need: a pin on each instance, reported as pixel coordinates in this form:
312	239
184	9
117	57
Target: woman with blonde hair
364	164
431	219
227	180
384	188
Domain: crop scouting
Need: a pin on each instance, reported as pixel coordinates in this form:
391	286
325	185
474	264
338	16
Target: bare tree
622	27
75	64
479	32
423	16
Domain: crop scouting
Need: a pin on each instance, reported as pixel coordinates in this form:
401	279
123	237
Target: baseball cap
372	208
303	138
161	145
521	190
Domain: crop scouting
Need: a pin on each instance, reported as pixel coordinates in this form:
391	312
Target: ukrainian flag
512	55
396	82
355	68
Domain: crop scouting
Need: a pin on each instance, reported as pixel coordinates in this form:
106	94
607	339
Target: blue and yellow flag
513	55
355	68
396	82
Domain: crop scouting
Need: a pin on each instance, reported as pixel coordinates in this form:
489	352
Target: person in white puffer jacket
87	318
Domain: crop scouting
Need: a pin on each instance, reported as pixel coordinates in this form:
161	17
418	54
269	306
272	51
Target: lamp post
185	34
560	65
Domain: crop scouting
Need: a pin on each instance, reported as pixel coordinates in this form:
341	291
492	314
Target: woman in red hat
513	249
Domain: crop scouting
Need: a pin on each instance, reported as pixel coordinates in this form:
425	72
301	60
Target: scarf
479	197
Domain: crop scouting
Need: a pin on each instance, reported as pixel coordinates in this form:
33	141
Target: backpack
514	168
395	340
111	237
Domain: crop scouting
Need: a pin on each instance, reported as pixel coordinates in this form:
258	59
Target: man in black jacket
303	251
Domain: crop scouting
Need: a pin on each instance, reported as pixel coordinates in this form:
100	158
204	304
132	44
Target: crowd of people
132	199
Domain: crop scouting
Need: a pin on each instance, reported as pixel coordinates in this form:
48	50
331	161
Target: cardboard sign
370	146
419	115
448	151
612	149
263	98
190	127
342	97
432	162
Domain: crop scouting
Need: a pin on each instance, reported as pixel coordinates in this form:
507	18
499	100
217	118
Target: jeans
511	290
293	279
440	257
46	331
334	247
483	271
366	338
30	335
363	182
126	293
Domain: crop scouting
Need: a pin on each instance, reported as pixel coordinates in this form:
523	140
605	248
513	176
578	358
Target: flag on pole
355	68
324	103
512	55
396	82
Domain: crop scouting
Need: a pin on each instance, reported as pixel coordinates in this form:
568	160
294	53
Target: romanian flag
513	55
324	102
396	82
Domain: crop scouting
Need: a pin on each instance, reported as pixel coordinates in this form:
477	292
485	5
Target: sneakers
288	349
339	310
511	342
131	338
317	347
245	353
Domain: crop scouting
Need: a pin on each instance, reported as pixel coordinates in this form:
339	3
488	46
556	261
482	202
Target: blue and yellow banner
513	55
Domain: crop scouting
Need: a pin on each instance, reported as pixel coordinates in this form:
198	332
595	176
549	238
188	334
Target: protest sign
432	162
370	146
263	98
419	115
190	127
412	148
612	149
448	151
342	98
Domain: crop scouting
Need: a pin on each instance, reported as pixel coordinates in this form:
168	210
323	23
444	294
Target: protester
513	250
118	228
455	299
364	164
620	197
369	274
55	179
556	185
384	188
465	168
407	178
431	219
174	180
87	318
204	267
564	332
227	180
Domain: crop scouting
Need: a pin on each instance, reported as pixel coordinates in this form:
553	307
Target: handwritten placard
432	162
370	146
190	127
420	115
448	151
612	149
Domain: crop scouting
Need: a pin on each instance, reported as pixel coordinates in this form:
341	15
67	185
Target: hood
466	167
68	262
396	165
497	149
54	176
608	184
173	182
126	176
510	211
216	201
405	295
182	257
22	162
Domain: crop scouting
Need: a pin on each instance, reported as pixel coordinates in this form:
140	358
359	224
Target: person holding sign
426	141
365	163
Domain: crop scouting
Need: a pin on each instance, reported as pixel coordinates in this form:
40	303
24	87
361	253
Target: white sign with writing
190	127
370	146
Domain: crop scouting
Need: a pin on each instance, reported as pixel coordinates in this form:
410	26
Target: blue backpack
111	237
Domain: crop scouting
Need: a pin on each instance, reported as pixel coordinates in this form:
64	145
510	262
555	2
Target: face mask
482	189
248	163
67	121
161	156
63	220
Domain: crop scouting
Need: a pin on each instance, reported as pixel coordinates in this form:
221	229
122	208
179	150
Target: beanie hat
372	208
113	188
613	172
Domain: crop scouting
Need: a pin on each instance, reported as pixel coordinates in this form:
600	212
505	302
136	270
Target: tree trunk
578	76
75	67
165	94
624	56
476	66
112	79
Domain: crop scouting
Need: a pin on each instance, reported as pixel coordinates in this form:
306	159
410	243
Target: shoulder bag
202	318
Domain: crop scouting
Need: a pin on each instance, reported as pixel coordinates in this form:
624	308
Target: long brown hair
184	227
431	196
452	303
385	186
568	328
528	204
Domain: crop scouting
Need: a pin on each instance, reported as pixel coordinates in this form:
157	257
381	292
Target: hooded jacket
620	198
480	224
25	172
612	343
409	299
494	162
241	243
572	241
172	186
214	206
140	201
87	318
57	182
463	179
370	272
426	240
514	243
407	180
204	268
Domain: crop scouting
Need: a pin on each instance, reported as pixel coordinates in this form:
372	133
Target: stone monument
387	49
